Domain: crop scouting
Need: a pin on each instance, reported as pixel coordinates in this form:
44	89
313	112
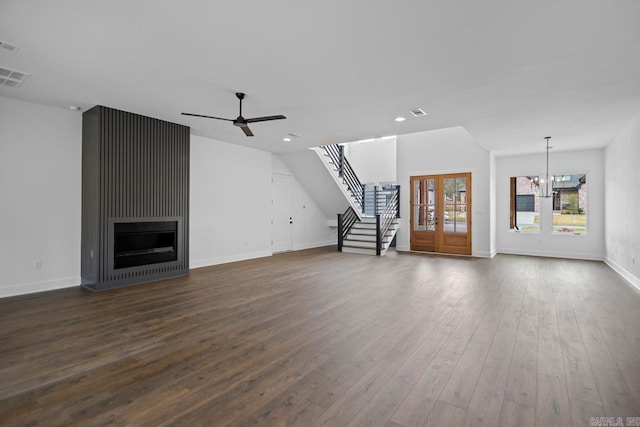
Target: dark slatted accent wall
143	174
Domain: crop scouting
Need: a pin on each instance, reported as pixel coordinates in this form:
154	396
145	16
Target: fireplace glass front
143	243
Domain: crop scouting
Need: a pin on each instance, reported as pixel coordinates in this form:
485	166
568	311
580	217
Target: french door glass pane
419	207
455	205
424	204
419	222
430	187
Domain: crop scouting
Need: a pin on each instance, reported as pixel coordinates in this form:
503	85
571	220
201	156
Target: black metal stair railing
376	198
346	172
345	222
385	219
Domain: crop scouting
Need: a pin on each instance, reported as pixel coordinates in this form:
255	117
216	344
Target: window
570	203
524	207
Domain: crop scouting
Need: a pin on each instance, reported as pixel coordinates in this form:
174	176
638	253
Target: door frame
289	179
439	238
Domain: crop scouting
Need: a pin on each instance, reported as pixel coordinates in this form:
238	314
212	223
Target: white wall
314	177
230	202
230	205
40	194
374	161
310	228
446	151
545	243
622	223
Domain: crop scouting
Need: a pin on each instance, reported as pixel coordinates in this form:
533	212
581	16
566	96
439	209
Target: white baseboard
50	285
479	254
300	247
207	262
30	288
198	263
484	254
551	254
625	274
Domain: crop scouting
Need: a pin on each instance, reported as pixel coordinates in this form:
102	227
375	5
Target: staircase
361	238
370	223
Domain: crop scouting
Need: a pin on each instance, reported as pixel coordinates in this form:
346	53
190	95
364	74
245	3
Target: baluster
340	230
378	238
375	200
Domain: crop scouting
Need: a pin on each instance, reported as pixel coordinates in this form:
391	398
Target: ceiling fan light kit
240	121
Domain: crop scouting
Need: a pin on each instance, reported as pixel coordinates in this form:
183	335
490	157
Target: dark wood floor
321	338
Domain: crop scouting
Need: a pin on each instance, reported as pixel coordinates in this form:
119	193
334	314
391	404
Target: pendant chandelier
545	190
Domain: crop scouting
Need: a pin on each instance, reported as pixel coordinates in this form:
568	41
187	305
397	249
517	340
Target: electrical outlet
37	265
633	260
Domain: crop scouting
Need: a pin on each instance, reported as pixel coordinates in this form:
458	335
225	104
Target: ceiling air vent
12	78
9	46
418	112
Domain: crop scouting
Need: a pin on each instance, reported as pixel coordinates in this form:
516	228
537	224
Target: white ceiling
511	72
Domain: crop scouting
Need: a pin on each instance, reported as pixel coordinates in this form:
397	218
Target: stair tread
358	244
387	239
361	251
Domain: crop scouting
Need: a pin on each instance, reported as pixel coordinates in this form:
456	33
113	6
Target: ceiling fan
240	121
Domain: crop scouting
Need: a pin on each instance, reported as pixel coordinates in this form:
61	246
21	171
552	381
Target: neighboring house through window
525	205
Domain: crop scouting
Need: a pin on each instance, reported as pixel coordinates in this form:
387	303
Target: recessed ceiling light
400	119
290	137
74	108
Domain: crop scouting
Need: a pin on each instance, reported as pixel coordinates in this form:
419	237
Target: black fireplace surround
143	243
135	199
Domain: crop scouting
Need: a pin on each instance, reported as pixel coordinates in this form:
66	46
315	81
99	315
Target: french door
441	213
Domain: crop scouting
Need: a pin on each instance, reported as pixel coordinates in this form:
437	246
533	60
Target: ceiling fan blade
246	130
265	118
206	117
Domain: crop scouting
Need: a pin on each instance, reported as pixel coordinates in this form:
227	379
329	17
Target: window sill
524	231
556	233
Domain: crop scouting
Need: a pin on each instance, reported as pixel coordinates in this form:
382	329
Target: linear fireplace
144	243
144	249
135	199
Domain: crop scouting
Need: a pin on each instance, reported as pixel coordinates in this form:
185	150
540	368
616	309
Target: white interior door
282	213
